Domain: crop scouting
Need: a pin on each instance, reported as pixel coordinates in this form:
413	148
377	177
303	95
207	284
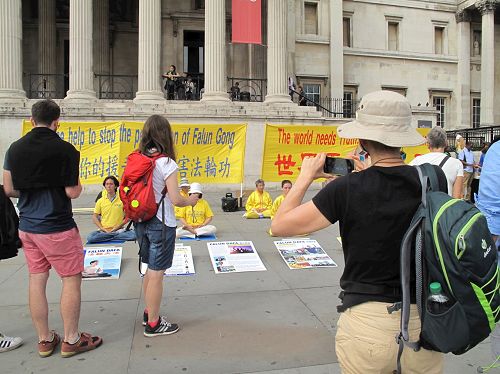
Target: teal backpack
449	243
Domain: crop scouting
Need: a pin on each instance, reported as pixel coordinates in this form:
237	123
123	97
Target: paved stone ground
276	321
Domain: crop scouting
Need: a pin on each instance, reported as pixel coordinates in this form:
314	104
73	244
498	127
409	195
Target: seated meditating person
184	191
259	202
109	216
194	220
285	187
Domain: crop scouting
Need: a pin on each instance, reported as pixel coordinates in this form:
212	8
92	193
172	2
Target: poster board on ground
102	262
234	257
182	263
303	254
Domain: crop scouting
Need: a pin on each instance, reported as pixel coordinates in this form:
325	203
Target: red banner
247	20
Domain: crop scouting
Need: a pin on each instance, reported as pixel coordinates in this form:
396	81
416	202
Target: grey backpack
451	245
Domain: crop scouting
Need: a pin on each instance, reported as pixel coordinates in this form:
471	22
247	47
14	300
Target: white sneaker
8	343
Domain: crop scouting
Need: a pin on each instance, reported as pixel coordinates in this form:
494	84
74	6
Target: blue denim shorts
155	250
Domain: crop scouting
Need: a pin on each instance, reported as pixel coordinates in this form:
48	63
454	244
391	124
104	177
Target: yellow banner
286	146
205	153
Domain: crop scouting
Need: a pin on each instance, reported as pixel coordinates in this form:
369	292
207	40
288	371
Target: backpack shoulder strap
445	159
430	177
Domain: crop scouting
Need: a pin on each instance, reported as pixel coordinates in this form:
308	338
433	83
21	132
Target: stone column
149	86
277	79
487	9
101	37
215	52
463	19
81	75
336	50
47	48
11	36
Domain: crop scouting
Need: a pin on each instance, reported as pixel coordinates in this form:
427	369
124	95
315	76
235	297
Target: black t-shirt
43	210
374	209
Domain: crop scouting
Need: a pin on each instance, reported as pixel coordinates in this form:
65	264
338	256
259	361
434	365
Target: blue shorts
154	250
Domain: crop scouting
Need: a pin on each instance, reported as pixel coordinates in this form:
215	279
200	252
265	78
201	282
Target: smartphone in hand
338	166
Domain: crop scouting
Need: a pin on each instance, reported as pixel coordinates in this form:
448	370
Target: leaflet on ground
102	262
182	263
234	257
303	254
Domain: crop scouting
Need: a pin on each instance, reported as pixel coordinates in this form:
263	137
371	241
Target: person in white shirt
452	168
467	158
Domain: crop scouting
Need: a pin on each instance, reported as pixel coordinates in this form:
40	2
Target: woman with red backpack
156	236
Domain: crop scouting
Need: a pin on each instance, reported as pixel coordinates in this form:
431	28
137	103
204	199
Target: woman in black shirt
374	208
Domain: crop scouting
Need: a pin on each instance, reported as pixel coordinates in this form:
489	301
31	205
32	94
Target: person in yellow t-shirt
259	202
109	216
285	187
184	189
195	220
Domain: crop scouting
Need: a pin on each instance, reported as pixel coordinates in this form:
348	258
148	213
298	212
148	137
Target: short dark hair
93	262
44	112
380	147
258	181
285	181
115	181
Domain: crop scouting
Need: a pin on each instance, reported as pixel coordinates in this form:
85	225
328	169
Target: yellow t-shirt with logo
177	209
111	212
198	214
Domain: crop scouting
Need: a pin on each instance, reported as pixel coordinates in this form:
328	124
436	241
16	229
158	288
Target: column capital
463	16
486	6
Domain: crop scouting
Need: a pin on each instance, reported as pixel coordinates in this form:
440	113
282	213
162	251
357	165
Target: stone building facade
104	60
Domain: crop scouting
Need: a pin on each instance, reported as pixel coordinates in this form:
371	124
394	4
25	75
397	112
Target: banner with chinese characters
285	146
205	153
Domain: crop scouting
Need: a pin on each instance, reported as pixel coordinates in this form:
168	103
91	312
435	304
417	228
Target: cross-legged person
259	202
195	220
42	171
156	237
109	216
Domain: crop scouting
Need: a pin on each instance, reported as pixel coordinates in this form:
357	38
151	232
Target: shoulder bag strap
446	158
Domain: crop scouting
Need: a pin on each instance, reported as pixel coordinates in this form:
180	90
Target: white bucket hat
184	183
195	188
384	117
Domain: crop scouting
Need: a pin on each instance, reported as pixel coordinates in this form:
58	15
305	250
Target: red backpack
136	187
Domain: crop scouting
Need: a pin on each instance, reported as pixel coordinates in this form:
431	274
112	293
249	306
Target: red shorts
61	250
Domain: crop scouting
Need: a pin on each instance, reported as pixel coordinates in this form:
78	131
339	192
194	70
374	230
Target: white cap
195	188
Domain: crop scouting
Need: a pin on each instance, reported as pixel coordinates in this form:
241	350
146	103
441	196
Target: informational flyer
303	254
102	262
182	263
234	257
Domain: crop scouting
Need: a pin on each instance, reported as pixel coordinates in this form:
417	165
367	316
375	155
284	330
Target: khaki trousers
366	342
467	184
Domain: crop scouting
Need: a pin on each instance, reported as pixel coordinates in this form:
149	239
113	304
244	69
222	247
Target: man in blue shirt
467	158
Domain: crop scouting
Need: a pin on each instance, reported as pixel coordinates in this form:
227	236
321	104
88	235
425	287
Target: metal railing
331	107
338	107
116	87
477	136
247	89
46	86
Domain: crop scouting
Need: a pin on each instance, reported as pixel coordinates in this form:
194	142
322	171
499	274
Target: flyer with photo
102	262
234	257
303	254
182	263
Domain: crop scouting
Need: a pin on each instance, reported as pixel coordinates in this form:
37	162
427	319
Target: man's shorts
61	250
155	250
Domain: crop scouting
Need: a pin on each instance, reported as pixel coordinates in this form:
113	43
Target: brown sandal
85	343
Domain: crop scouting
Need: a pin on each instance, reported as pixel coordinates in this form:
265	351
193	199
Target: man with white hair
195	220
452	168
